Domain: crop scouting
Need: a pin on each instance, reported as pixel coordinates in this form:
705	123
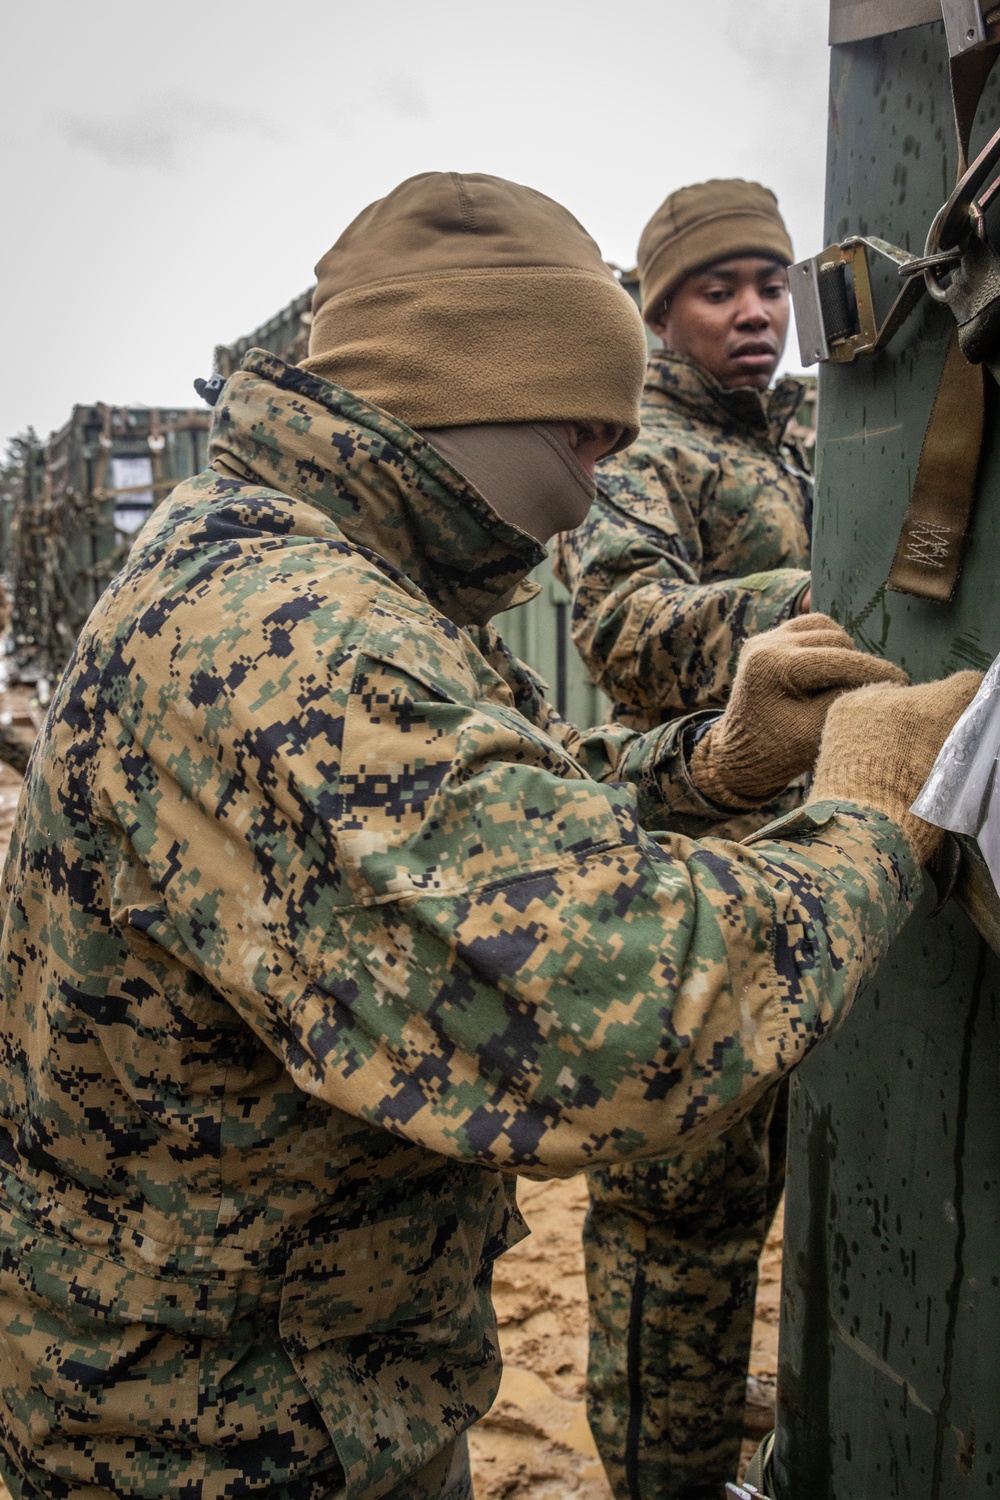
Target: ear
659	318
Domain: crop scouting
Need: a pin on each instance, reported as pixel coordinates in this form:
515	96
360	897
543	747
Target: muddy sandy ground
535	1444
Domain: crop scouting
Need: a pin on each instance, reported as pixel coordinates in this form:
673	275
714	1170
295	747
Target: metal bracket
744	1491
964	25
832	292
836	318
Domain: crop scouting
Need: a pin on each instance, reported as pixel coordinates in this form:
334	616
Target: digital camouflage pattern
710	492
318	926
672	1248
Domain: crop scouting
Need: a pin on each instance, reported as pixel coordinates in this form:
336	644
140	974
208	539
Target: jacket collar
386	489
687	384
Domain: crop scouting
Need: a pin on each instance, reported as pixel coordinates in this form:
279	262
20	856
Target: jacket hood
688	384
386	489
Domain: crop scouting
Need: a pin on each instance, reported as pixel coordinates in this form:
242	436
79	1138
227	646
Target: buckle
963	213
832	295
835	312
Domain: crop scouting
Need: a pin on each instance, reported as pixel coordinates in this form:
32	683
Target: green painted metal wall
539	633
889	1378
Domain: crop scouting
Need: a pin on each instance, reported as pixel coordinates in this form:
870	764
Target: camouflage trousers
672	1249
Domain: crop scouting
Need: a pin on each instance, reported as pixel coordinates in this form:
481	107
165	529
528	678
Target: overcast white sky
171	173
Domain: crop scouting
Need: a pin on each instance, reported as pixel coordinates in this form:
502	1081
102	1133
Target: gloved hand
786	680
879	746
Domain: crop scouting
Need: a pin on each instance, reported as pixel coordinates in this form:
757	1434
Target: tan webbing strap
928	556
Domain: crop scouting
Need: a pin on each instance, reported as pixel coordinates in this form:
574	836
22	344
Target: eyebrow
711	273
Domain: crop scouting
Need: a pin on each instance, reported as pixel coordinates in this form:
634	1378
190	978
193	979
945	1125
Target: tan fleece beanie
699	225
464	299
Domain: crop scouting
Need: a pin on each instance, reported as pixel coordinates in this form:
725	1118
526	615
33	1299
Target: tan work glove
879	746
786	680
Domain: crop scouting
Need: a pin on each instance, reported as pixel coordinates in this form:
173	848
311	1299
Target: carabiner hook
959	217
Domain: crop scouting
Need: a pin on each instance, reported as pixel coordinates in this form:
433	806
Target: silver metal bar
963	24
803	283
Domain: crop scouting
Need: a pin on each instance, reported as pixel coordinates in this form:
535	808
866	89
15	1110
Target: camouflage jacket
317	924
711	492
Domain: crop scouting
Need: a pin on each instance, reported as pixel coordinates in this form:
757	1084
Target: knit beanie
461	299
709	222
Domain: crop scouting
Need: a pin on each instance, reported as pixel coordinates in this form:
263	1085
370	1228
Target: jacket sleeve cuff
775	597
658	766
872	832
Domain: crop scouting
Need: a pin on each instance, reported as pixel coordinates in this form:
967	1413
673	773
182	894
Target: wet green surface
890	1339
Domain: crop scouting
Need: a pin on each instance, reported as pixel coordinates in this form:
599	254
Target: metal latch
832	293
964	25
834	307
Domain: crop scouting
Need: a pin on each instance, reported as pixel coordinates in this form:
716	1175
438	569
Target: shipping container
77	503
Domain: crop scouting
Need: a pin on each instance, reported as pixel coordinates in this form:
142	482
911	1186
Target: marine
320	926
700	534
699	540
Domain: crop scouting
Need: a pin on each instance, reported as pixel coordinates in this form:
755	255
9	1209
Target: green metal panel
889	1377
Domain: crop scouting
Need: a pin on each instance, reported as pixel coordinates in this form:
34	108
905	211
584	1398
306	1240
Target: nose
752	311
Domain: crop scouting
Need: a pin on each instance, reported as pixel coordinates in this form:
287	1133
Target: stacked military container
286	335
71	510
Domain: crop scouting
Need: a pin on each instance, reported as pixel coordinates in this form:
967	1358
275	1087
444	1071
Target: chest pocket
755	521
445	786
